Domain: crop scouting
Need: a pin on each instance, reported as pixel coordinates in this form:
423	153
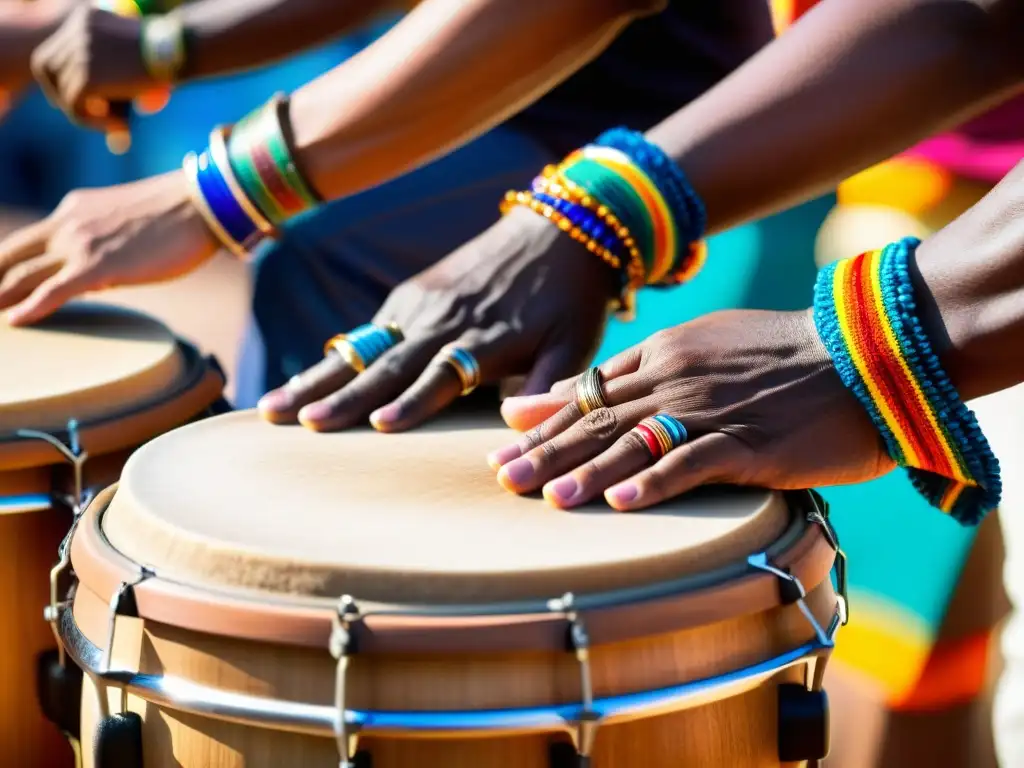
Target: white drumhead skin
233	502
84	362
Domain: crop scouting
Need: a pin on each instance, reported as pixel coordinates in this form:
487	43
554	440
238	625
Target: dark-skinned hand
522	298
91	67
756	392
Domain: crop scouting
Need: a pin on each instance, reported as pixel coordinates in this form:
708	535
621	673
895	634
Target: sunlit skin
756	143
757	392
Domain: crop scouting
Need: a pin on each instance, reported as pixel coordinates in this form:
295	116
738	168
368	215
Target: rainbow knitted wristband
866	315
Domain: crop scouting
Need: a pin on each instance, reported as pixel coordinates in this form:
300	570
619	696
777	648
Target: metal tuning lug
818	514
342	646
74	454
578	643
118	739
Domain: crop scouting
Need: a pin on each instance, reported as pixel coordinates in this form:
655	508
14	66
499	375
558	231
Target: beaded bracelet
865	313
647	206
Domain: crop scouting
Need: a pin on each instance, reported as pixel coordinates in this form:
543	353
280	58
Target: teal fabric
900	549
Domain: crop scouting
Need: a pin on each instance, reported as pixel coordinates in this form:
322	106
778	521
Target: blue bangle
222	203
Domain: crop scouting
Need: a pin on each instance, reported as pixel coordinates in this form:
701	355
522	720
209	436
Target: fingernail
503	456
386	414
563	489
518	473
278	400
622	494
314	413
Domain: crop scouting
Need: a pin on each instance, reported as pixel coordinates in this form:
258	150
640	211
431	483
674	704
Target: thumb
531	405
50	296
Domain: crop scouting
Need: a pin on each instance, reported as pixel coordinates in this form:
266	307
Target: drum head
84	362
232	502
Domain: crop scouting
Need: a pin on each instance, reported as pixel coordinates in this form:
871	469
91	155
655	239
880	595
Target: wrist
867	314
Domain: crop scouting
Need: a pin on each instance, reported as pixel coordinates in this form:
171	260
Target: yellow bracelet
627	304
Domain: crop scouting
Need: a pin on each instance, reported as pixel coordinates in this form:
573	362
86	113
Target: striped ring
589	392
364	346
465	366
661	433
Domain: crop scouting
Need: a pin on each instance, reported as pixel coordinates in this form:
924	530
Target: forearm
852	83
227	35
970	287
450	70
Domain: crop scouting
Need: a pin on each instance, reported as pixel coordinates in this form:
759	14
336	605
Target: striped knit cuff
865	312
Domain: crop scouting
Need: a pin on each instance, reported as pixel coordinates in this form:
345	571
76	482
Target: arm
744	383
970	287
228	35
448	72
23	26
853	82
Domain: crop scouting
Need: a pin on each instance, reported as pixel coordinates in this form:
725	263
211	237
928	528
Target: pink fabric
984	149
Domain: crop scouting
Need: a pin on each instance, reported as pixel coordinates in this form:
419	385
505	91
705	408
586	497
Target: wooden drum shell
739	732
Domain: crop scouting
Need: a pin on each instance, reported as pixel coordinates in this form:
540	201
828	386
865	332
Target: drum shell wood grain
739	732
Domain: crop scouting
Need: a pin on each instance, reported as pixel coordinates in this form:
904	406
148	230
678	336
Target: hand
93	59
142	232
522	298
23	25
756	392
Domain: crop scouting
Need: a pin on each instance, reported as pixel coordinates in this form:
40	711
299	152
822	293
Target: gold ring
589	395
363	346
465	365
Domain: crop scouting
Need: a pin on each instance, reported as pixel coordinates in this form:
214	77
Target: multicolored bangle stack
246	183
630	204
866	315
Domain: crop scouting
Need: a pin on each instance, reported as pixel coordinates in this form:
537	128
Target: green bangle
247	173
282	155
614	192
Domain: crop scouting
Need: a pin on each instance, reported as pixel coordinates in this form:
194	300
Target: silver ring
589	392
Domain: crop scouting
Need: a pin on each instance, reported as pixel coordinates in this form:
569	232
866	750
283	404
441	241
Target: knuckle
534	438
632	442
656	483
600	424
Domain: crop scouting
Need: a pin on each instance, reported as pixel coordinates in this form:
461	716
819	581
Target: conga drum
252	595
77	393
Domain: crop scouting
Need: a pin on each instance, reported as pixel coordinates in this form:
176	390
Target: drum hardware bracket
342	646
578	643
819	514
122	603
72	451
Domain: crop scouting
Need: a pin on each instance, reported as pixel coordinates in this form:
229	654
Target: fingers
282	405
25	243
549	415
383	381
22	279
526	412
627	456
50	296
439	384
557	361
626	362
584	439
714	458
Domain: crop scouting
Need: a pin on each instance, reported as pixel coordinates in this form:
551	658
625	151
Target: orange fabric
955	673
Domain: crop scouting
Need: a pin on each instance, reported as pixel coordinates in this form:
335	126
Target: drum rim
200	386
625	614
